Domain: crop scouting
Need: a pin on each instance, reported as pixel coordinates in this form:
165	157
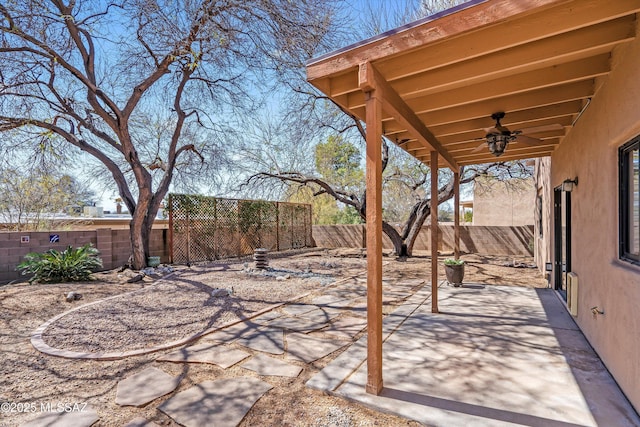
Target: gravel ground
191	302
27	376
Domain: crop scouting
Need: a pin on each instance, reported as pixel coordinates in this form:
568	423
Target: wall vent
572	293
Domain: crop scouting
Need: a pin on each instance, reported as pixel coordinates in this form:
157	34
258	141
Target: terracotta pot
455	274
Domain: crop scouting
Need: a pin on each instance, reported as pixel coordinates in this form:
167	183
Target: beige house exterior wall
499	203
590	152
543	232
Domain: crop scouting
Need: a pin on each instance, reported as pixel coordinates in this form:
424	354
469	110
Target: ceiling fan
498	137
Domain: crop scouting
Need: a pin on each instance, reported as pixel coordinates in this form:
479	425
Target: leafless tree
82	76
310	109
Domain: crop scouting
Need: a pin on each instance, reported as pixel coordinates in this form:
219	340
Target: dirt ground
28	376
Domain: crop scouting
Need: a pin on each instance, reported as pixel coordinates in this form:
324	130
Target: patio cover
431	87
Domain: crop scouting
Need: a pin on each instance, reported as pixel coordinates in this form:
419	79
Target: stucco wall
590	152
490	240
543	233
503	203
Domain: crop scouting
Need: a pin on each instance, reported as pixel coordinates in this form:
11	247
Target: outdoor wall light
497	143
568	184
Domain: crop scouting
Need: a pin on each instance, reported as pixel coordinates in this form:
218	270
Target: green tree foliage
338	162
85	77
31	199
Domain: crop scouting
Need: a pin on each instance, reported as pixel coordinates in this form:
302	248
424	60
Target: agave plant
70	265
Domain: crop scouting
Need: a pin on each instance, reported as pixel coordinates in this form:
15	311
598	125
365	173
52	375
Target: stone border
38	343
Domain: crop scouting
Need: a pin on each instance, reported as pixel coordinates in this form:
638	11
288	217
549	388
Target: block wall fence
486	240
113	245
114	248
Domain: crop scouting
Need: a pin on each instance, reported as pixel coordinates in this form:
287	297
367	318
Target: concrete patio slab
267	340
494	356
206	353
309	348
145	386
265	365
222	402
82	418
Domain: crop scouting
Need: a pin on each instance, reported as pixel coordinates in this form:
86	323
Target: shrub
451	261
70	265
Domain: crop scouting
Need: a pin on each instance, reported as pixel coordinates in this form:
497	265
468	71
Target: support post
374	243
456	215
433	165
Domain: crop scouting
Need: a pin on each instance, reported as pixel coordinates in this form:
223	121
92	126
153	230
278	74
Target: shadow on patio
493	356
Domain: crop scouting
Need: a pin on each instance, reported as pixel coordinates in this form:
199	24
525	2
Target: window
630	201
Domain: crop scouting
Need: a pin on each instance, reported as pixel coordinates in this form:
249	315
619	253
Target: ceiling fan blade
479	147
538	129
527	140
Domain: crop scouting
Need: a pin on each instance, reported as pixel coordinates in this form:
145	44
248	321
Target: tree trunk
399	246
140	229
139	234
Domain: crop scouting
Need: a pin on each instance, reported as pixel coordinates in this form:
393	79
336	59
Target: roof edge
397	30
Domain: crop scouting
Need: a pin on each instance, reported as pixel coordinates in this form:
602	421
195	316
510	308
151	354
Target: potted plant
454	269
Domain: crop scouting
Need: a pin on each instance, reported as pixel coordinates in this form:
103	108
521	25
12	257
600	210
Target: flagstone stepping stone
346	327
321	315
141	422
268	340
230	334
297	324
309	348
298	309
81	418
331	301
266	317
354	292
206	353
145	386
265	365
223	402
359	309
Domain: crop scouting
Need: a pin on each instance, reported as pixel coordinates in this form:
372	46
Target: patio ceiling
441	78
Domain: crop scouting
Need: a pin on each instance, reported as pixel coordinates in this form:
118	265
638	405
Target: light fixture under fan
498	137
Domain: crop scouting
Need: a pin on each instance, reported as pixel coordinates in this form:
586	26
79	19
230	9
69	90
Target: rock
73	296
282	278
219	292
136	278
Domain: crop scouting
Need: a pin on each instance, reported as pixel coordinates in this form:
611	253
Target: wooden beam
433	165
533	99
394	105
479	110
516	84
456	215
416	36
553	51
500	35
374	241
520	119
